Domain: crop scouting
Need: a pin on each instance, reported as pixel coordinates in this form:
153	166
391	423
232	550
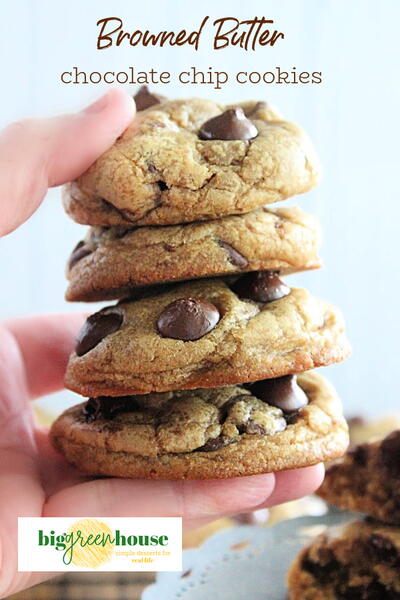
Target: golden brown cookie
205	433
205	334
190	160
359	561
112	261
367	479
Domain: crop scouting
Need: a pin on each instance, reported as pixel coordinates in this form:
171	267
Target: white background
353	117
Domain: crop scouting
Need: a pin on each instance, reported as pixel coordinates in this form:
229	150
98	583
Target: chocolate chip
97	327
230	125
162	185
105	407
187	319
261	286
282	392
371	591
382	549
359	454
390	453
91	410
237	259
78	252
215	444
292	418
144	98
323	573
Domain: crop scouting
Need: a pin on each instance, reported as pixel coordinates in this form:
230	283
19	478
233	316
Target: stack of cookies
361	559
201	370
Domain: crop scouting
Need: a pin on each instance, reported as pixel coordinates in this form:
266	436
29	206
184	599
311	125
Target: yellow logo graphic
96	545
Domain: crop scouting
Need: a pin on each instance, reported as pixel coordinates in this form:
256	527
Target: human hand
34	480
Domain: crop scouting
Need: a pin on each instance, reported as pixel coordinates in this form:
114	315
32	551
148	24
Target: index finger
39	153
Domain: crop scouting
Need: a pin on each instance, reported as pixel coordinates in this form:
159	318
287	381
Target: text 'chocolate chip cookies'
199	370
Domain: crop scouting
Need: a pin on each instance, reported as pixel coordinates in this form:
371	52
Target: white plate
244	563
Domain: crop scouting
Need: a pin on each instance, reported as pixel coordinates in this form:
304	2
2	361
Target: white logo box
99	544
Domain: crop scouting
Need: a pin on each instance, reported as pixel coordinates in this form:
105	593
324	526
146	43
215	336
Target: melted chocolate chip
104	407
162	185
144	98
382	549
230	125
261	286
237	259
97	327
390	453
187	319
282	392
292	417
215	444
371	591
323	573
79	252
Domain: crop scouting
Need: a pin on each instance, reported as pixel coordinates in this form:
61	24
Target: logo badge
99	544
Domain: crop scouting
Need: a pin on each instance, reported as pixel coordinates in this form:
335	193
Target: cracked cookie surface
360	560
367	479
249	341
203	433
159	172
112	261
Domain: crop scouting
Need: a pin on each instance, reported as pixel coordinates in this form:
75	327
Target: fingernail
97	106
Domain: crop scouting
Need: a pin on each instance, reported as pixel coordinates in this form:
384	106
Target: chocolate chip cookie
367	479
359	561
206	433
112	261
205	334
190	160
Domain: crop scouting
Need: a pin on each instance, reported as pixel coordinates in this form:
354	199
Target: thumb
39	153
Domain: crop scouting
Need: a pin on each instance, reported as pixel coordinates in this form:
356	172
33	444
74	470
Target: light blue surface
220	569
353	117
